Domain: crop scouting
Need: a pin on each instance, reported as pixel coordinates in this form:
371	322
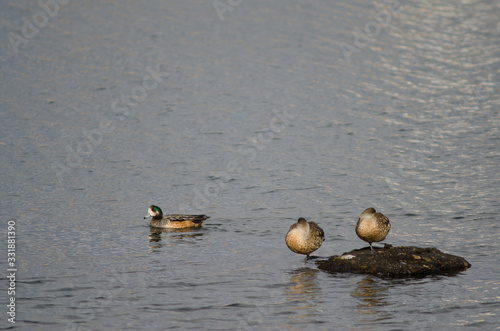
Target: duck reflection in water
303	284
156	234
303	292
371	294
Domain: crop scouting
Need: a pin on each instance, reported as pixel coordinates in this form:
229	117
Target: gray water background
405	120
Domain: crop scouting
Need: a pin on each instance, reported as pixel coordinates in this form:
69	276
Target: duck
304	237
173	221
372	226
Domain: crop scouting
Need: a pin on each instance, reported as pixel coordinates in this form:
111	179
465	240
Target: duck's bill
147	216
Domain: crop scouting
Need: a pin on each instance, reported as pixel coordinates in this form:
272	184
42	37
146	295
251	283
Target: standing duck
372	226
304	237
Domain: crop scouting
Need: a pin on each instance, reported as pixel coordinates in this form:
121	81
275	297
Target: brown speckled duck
372	226
173	221
304	237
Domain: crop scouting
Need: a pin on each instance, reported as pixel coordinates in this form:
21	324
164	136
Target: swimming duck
173	221
372	226
304	237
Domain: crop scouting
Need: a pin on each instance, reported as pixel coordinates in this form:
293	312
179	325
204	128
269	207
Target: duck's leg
371	247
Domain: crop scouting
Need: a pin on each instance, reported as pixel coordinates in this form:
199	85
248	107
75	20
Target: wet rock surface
402	261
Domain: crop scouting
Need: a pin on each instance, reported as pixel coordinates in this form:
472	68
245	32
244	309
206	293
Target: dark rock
403	261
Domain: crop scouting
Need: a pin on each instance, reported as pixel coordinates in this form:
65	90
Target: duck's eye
156	209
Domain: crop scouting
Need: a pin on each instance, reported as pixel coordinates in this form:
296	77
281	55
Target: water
258	113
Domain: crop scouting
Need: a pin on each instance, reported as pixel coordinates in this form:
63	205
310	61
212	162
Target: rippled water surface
255	113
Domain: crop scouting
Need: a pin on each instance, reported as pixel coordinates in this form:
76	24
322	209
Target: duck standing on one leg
372	226
173	221
304	237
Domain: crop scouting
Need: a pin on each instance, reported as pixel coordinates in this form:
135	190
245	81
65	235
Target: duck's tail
199	219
